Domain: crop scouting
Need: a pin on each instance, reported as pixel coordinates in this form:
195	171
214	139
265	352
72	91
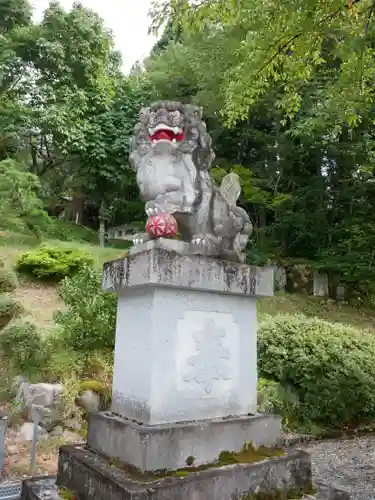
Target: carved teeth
176	130
154	141
161	126
174	141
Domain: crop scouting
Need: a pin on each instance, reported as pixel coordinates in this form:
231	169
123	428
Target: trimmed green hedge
52	263
329	367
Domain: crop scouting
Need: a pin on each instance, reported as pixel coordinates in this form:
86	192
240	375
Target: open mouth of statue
163	132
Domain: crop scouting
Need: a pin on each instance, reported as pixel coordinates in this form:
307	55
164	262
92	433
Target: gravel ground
347	464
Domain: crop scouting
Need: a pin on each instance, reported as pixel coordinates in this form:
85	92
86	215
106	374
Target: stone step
93	477
45	489
330	492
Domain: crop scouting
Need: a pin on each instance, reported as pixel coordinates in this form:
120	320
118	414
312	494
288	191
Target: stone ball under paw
162	225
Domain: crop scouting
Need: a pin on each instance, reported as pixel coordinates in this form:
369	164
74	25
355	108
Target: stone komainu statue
171	153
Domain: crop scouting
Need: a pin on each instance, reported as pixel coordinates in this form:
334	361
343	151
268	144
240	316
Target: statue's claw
140	238
205	240
199	240
208	243
152	209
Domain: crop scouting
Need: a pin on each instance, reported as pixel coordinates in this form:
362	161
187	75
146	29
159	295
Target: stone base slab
40	488
168	446
91	477
159	264
45	488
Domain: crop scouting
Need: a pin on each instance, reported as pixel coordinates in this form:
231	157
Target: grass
283	303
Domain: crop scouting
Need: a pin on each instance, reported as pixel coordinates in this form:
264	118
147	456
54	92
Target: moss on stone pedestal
190	460
248	454
66	494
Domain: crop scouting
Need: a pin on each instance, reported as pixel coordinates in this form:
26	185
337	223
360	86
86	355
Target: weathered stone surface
171	154
46	489
92	477
26	431
90	400
48	396
41	394
184	355
330	492
279	278
168	446
41	488
320	285
185	336
159	267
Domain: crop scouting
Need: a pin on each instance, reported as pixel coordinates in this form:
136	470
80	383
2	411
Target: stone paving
346	464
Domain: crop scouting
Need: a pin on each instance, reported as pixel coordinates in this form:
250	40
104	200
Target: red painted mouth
167	135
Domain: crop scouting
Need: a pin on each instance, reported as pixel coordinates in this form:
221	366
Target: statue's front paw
152	209
200	240
140	238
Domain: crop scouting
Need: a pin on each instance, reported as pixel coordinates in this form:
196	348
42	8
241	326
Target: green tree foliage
15	20
19	201
307	175
68	110
287	43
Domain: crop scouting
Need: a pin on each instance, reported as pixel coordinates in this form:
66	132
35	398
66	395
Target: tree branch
297	35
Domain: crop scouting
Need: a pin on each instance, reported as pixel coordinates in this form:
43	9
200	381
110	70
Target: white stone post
185	369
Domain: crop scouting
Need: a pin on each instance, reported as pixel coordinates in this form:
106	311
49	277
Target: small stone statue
171	154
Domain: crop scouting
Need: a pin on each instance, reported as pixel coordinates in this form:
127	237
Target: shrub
61	361
62	230
8	281
52	263
331	368
23	346
8	308
90	320
275	398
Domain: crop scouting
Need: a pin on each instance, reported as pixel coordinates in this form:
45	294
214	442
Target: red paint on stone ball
161	225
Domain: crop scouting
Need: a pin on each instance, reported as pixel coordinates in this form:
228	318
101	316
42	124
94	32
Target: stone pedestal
92	478
168	446
184	388
185	336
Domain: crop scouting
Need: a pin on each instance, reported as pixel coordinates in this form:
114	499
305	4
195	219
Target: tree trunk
102	220
77	207
101	232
